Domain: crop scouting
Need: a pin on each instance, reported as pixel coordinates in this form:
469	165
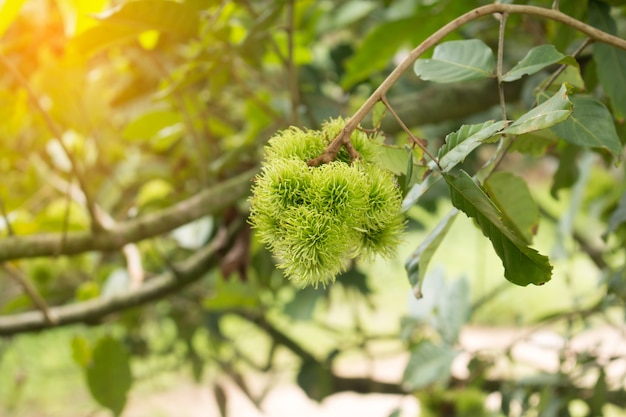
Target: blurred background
132	285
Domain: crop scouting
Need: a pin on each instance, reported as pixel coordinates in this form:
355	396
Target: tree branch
455	24
188	271
208	201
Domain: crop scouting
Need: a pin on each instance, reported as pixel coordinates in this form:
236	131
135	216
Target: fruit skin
316	219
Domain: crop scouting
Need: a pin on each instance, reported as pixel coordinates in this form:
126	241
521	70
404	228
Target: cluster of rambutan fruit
315	219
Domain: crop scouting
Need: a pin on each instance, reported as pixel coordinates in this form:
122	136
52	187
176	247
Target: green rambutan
316	219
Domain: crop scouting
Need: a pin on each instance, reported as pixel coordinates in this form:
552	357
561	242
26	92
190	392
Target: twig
412	137
31	291
292	73
57	134
5	217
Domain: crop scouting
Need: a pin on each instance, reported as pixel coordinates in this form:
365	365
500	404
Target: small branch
331	151
414	140
31	291
209	201
187	272
5	217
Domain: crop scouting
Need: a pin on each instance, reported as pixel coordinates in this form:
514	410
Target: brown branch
404	127
209	201
331	151
188	271
503	18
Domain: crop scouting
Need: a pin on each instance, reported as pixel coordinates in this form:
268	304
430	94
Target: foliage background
130	134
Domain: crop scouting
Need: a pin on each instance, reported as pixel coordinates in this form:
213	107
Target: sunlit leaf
537	59
512	196
9	9
81	351
457	61
522	265
108	376
130	19
590	125
153	191
461	143
151	124
552	111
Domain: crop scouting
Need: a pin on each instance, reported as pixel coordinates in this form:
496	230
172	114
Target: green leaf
453	308
417	263
429	363
512	196
377	50
153	191
461	143
396	159
537	59
81	351
552	111
232	294
536	143
303	303
611	61
153	123
130	19
457	61
108	376
590	125
567	173
315	380
378	114
617	218
522	265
